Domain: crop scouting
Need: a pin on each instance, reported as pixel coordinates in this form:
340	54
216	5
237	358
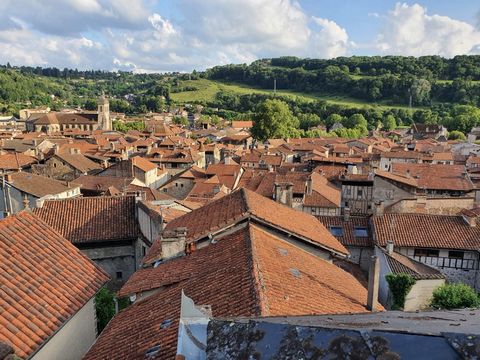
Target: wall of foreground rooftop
74	339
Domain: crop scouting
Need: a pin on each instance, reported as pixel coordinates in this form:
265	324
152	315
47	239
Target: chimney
346	214
309	185
289	197
216	189
8	178
227	160
408	173
389	247
55	149
277	193
26	203
174	242
373	282
72	151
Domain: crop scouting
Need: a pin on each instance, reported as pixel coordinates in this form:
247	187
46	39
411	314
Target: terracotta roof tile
250	272
44	281
15	161
349	237
244	203
92	219
37	185
437	231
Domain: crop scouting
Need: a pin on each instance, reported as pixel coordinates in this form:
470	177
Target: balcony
448	263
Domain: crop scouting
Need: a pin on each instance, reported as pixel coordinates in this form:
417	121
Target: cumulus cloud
409	30
130	36
331	41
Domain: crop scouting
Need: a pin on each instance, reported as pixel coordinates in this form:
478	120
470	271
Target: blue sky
181	35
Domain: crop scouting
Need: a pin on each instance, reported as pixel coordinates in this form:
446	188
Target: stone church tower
104	121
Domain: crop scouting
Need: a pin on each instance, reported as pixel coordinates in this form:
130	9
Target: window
119	275
359	192
361	231
336	230
426	252
456	254
181	185
144	250
349	191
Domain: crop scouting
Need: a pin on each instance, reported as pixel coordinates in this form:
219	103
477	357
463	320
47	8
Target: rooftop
45	280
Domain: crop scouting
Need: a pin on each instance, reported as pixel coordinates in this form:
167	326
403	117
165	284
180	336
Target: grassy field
207	89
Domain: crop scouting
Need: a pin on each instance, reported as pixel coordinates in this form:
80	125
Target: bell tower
104	121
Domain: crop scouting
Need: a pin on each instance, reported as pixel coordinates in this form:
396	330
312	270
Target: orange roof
250	272
244	203
143	164
237	124
92	219
44	281
15	161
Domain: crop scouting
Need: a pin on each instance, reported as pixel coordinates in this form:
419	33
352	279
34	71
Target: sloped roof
143	164
349	238
15	161
434	176
401	264
437	231
79	162
242	204
92	219
44	281
250	272
37	185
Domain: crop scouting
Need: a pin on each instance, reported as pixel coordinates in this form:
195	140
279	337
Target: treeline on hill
391	79
313	113
445	91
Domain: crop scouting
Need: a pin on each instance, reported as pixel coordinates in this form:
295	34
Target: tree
332	119
273	119
90	104
356	121
400	285
389	123
456	135
455	296
180	120
419	91
105	306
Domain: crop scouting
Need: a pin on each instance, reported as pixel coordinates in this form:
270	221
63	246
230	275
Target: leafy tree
332	119
456	135
400	285
419	91
181	120
455	296
90	104
273	119
355	120
105	306
389	123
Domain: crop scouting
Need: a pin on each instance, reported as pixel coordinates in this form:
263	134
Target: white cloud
409	30
125	34
331	41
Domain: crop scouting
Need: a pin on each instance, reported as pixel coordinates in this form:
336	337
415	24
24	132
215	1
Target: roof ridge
246	200
259	283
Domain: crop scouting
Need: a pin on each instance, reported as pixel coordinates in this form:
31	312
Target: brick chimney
174	242
373	283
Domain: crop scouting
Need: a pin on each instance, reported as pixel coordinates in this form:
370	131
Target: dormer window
336	230
361	231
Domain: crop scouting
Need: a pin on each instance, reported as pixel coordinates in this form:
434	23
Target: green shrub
400	285
105	305
455	296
